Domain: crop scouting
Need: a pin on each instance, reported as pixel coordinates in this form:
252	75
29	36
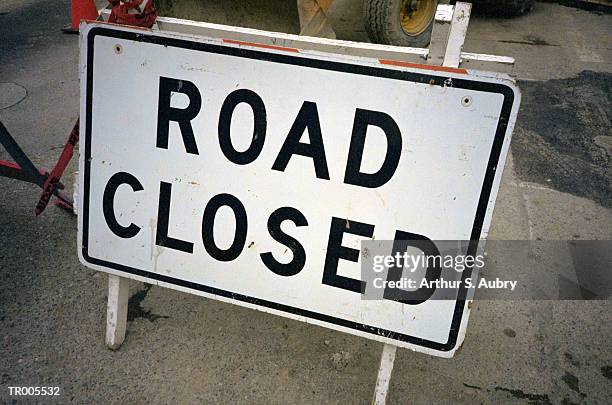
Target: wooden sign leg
457	33
116	311
452	58
448	34
384	374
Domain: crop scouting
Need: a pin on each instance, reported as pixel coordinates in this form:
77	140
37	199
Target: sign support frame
446	47
452	58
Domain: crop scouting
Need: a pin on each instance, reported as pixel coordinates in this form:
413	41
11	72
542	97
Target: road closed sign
254	174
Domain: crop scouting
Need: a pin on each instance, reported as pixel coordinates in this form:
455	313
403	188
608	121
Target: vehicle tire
507	8
400	22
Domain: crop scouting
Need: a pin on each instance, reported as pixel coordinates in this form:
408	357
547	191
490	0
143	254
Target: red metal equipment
139	13
25	170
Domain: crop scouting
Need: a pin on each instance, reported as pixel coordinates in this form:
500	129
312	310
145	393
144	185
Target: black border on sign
432	79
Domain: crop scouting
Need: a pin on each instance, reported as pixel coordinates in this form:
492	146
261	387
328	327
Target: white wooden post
116	311
384	374
457	33
452	58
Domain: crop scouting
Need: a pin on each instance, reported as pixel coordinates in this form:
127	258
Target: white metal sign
250	174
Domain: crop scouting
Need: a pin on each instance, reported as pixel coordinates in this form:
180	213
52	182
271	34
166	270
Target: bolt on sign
250	174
